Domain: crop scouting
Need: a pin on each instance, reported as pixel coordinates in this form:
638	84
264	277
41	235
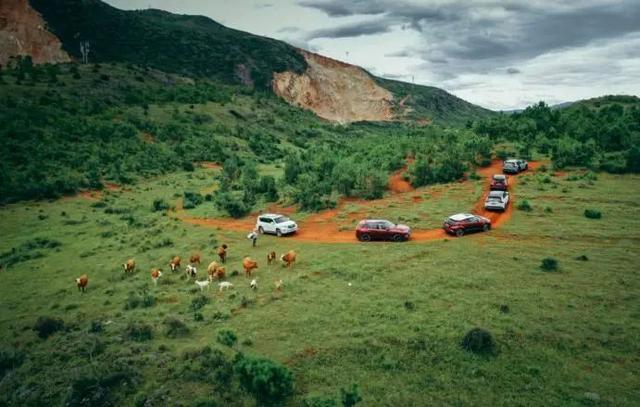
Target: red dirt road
322	227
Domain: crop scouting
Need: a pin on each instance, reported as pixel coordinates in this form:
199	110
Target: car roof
270	215
375	220
511	161
460	216
496	193
499	176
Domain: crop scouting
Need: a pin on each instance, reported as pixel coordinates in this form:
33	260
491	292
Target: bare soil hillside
23	33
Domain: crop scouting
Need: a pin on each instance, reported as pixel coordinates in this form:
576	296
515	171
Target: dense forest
601	134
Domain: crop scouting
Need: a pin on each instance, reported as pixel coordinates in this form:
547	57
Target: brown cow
249	265
174	264
82	282
222	253
271	257
289	258
220	273
212	269
129	266
155	275
195	258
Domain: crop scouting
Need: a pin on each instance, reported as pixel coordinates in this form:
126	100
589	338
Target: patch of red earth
323	227
210	164
96	194
397	183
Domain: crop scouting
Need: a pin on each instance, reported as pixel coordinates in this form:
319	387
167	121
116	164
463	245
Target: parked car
275	224
462	223
379	229
499	182
514	166
510	167
497	201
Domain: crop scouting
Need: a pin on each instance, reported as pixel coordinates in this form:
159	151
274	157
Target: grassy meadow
386	317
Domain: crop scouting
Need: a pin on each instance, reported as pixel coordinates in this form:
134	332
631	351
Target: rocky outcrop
23	33
335	91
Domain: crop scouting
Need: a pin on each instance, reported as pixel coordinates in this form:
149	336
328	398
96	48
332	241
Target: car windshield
281	219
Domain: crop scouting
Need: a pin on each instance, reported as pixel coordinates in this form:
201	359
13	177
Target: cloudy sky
500	54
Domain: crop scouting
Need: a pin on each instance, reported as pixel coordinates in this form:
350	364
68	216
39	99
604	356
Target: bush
549	264
144	300
592	214
268	381
227	338
351	396
160	205
91	389
139	332
96	327
192	199
233	203
47	326
199	302
175	327
10	359
479	341
525	206
582	258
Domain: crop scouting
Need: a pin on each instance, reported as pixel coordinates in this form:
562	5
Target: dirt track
322	227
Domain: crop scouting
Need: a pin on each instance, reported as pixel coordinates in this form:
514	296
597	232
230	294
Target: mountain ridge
197	46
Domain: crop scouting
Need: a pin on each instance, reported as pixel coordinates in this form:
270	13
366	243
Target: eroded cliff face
335	91
23	32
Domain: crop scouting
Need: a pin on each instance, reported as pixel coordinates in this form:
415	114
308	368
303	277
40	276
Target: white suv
276	224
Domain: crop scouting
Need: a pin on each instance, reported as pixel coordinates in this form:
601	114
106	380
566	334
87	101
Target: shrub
192	199
139	332
47	326
549	264
479	341
582	258
96	327
268	381
525	206
10	359
175	327
160	205
91	389
592	214
227	338
199	302
350	396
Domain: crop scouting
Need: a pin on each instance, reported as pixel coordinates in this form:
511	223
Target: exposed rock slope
23	33
335	91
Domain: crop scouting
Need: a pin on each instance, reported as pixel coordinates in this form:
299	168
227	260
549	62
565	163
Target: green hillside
186	45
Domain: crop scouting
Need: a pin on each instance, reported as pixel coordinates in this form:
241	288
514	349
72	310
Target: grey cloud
513	71
399	54
351	30
485	34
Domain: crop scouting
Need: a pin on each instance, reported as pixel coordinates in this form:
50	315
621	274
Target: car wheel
398	238
261	230
486	227
278	232
459	232
365	238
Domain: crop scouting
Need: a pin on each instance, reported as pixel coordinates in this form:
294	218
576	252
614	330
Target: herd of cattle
215	271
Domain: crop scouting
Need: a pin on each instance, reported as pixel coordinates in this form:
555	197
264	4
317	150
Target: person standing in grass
253	236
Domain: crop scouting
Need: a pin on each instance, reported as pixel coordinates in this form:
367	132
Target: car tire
398	238
278	233
260	230
486	227
365	238
460	232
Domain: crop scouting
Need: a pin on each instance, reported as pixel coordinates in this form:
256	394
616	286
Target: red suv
499	182
465	222
369	229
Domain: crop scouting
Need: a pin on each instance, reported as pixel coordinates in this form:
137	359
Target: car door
474	224
505	199
269	225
